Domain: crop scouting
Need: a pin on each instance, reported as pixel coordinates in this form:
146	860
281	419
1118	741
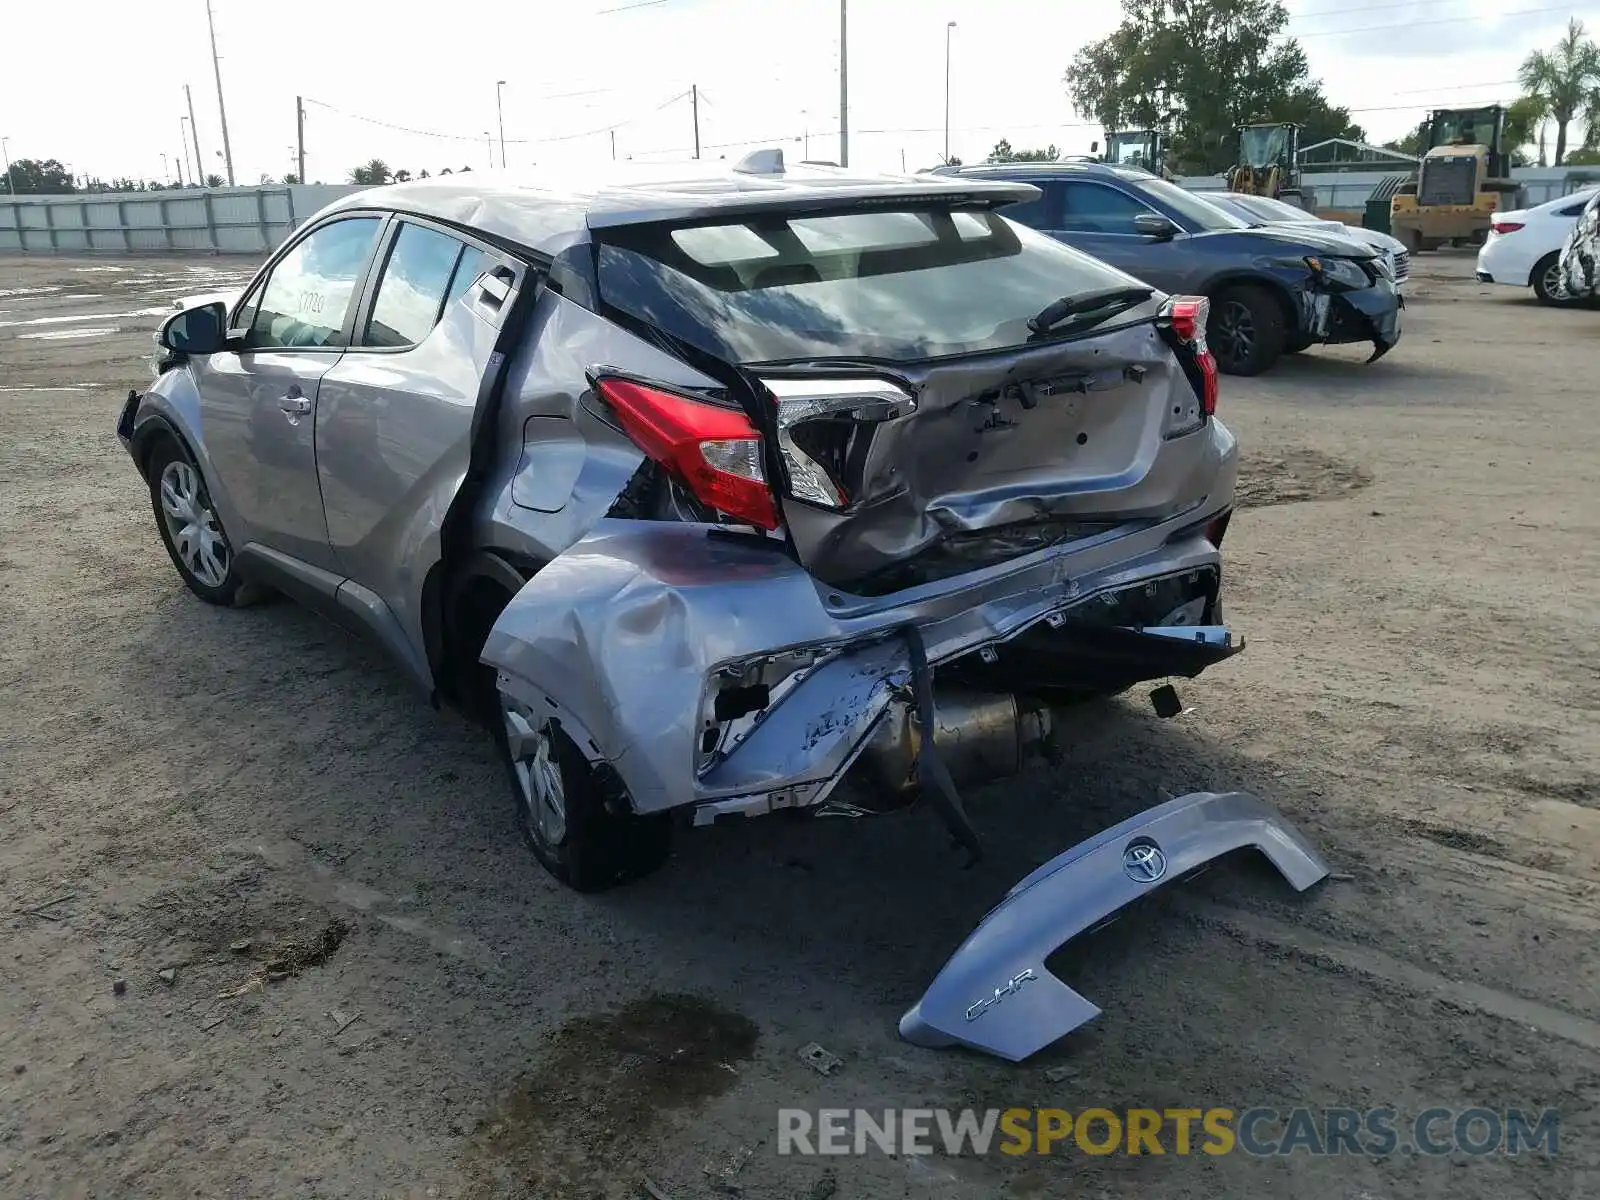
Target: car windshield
1190	206
894	284
1265	208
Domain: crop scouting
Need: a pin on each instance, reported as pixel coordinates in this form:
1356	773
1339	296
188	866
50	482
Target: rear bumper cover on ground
995	995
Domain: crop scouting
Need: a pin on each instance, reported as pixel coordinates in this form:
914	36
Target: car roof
1063	169
548	211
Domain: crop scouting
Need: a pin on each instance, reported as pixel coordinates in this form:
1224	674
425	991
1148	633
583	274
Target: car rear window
895	284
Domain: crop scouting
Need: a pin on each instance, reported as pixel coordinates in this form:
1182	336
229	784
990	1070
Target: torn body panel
710	668
1370	314
995	993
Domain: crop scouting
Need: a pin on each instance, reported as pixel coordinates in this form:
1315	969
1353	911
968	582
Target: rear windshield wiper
1105	303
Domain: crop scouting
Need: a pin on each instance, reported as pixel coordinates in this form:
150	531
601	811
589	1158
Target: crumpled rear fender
995	995
618	637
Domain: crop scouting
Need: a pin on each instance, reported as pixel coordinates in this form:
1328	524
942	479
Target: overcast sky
106	96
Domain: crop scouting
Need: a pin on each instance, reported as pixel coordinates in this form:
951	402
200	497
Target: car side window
1574	210
468	269
1043	213
305	299
413	289
1095	208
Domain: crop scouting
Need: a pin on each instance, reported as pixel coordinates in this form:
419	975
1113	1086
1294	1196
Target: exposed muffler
980	737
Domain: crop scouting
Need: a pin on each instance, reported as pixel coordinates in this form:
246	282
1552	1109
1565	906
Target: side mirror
202	330
1156	226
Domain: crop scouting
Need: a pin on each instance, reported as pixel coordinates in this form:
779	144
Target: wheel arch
460	601
1274	287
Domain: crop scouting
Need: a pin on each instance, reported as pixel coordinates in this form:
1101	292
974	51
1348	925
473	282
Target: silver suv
687	483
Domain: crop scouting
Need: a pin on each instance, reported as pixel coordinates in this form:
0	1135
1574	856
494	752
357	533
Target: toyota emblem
1143	862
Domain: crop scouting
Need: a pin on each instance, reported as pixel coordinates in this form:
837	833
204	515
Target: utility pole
300	136
613	145
488	141
199	163
166	170
180	160
11	180
948	27
694	103
844	85
500	116
222	111
183	140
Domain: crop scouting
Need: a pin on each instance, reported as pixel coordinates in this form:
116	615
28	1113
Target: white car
1524	246
1264	210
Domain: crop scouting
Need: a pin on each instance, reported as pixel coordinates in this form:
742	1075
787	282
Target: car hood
1310	240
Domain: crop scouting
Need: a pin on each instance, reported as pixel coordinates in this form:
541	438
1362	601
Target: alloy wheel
192	524
1555	284
538	773
1234	331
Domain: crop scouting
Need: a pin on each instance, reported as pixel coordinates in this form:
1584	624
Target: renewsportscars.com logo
1259	1132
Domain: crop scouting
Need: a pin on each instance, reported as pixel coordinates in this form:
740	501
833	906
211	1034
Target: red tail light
1506	226
1187	316
714	452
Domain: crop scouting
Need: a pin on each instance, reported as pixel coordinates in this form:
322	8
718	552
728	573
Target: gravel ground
341	975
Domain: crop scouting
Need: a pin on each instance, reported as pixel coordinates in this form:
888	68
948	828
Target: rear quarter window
893	284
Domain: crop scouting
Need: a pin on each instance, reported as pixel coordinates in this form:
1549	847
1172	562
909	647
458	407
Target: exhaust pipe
981	737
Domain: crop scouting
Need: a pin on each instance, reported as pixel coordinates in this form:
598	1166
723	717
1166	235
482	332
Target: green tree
444	170
1003	153
1201	69
1523	120
372	172
1584	156
402	175
37	177
291	179
422	174
215	180
1566	77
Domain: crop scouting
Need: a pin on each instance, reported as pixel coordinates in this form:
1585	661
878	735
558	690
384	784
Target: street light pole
11	180
488	141
844	85
949	25
194	134
500	116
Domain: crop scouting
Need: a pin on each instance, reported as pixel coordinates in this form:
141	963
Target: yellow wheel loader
1143	148
1269	163
1464	174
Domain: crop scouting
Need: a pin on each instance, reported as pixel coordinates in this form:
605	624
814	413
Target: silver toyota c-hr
690	482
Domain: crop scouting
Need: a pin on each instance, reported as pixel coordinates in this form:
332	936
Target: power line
1520	12
469	137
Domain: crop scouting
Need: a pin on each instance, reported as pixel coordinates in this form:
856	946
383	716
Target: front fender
995	994
172	406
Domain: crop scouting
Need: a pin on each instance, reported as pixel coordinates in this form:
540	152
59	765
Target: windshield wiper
1106	302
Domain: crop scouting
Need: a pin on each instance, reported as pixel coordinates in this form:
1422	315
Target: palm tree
373	171
402	175
1565	76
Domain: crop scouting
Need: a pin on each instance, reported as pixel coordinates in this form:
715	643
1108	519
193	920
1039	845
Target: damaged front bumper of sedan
719	678
1333	312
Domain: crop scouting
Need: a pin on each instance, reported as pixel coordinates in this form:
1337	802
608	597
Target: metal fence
248	220
1349	191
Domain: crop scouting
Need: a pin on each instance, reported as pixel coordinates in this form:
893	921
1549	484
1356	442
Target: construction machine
1464	173
1269	163
1143	148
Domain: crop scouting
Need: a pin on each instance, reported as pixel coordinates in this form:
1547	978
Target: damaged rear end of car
923	438
909	478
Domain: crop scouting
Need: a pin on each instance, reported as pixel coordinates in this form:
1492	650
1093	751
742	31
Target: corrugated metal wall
249	220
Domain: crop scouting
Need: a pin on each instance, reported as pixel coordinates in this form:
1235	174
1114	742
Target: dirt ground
268	930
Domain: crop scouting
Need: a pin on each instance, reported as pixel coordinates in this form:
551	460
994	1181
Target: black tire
229	590
605	844
1246	332
1541	278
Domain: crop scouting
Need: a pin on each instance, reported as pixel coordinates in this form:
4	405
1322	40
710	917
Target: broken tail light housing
825	427
1186	317
715	452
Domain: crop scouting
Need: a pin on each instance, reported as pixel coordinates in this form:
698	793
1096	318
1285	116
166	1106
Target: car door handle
295	406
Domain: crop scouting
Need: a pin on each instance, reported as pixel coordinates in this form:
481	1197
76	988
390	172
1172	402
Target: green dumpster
1377	215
